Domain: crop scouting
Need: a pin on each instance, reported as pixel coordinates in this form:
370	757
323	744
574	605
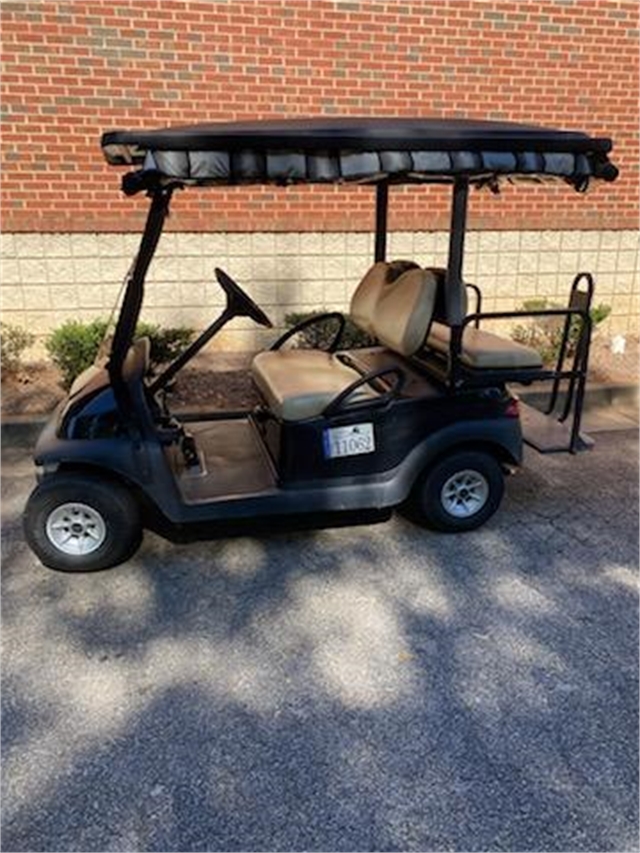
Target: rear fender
502	437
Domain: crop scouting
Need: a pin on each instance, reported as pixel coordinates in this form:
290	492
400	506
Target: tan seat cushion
482	349
298	384
404	310
365	296
439	337
368	292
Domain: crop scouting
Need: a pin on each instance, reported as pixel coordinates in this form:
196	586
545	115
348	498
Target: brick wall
74	69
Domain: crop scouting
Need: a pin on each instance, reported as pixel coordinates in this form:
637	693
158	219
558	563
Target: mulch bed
221	381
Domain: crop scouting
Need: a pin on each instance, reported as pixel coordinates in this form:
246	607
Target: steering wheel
238	302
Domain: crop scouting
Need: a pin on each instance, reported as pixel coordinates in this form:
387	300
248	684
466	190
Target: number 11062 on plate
348	441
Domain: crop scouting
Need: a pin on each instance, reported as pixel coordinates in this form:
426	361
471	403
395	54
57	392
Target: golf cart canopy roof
361	150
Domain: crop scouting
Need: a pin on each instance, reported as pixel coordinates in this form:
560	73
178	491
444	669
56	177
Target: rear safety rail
557	427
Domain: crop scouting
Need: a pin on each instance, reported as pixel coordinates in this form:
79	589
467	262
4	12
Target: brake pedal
189	451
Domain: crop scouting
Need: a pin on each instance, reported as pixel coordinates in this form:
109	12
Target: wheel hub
76	529
464	493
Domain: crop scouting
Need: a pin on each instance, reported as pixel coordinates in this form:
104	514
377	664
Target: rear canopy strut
382	204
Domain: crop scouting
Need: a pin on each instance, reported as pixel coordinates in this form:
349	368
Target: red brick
71	70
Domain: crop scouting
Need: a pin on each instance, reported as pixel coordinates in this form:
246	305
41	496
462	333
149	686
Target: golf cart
426	419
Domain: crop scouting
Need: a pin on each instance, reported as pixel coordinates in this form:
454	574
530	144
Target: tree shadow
373	688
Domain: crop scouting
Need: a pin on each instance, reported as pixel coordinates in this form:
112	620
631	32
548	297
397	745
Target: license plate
348	441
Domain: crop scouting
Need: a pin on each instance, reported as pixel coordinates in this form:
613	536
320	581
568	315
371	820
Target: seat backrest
404	311
440	308
370	289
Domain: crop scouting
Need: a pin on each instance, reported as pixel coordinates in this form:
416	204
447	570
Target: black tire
99	515
476	472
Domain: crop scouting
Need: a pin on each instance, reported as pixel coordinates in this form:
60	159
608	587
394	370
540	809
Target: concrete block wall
49	278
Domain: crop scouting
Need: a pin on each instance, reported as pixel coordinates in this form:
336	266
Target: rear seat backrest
404	311
371	288
440	308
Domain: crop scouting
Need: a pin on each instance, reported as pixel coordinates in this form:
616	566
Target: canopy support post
454	285
132	302
382	205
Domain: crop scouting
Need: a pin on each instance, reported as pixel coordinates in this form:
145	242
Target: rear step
547	435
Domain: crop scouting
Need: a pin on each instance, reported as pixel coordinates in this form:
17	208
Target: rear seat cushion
403	313
482	349
298	384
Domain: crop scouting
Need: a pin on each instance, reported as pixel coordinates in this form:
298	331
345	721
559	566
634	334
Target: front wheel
80	523
458	493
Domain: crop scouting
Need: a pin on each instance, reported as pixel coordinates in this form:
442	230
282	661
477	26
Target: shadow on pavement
370	688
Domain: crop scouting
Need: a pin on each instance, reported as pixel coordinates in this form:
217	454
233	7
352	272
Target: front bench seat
298	384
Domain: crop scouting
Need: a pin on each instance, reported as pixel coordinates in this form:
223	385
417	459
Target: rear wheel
458	493
81	523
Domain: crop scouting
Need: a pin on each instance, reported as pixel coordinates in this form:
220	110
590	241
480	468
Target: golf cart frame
427	428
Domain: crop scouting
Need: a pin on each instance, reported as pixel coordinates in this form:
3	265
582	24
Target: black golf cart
426	419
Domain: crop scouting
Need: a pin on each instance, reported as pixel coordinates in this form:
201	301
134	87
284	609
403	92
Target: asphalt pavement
365	688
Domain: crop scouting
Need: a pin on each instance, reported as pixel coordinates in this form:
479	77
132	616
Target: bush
13	341
74	346
166	344
320	335
544	334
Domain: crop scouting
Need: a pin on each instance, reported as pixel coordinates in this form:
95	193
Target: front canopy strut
134	293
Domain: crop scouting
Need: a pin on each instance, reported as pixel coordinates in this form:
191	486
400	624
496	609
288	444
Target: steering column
239	304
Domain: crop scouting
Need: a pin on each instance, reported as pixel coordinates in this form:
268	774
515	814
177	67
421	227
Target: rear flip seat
484	350
480	350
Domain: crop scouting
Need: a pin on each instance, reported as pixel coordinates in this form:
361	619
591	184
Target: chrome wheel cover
465	493
76	529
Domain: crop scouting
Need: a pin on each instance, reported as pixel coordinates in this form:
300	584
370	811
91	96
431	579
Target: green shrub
13	341
320	335
166	344
73	346
544	334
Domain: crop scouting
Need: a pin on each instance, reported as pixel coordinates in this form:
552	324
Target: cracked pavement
365	688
